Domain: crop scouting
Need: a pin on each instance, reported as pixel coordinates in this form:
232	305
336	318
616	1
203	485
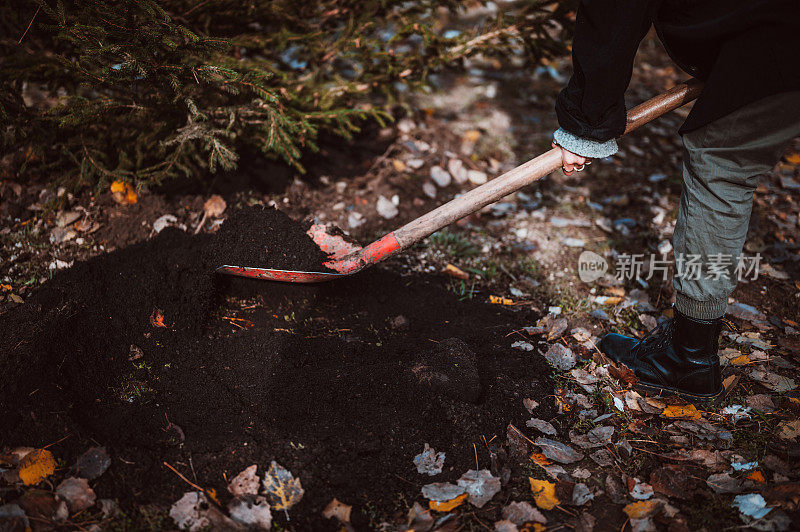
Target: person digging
747	114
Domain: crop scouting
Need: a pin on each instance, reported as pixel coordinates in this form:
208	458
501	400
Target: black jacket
744	50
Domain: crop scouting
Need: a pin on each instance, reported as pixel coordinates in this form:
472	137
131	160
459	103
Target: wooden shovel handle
533	170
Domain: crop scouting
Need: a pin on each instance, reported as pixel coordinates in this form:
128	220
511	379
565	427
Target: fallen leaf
752	505
193	512
419	519
446	506
544	493
245	483
157	318
429	462
282	488
13	518
581	494
742	360
673	481
123	193
441	491
339	510
480	486
560	357
642	509
252	511
542	426
36	466
76	493
522	512
641	491
724	483
560	452
786	496
757	476
789	430
688	411
505	526
214	206
455	271
498	300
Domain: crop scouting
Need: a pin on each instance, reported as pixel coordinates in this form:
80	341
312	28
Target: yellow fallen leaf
399	165
455	271
641	509
497	300
446	506
36	466
533	527
682	411
741	360
544	493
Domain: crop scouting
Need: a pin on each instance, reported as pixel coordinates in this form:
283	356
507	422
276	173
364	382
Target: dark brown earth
324	379
265	237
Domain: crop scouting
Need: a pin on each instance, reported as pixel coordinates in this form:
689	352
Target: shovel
346	258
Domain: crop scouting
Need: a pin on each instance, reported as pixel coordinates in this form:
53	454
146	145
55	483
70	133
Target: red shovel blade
346	257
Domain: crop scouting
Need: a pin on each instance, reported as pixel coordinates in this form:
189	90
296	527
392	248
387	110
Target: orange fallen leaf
682	411
455	271
757	476
446	506
642	509
540	459
157	318
123	193
793	158
544	493
36	466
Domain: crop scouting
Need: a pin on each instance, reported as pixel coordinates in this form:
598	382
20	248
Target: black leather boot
679	357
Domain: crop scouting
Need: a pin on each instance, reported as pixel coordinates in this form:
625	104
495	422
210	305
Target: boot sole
666	391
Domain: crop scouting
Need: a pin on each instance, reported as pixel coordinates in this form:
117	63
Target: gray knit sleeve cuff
585	147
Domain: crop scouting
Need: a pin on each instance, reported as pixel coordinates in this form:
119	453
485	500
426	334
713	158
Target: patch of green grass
453	244
140	519
460	289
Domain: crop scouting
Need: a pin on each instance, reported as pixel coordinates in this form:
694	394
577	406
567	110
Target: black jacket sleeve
607	34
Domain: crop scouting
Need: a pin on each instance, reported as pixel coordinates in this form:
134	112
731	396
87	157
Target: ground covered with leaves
457	387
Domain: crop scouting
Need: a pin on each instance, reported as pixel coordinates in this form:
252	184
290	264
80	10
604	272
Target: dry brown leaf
214	206
339	510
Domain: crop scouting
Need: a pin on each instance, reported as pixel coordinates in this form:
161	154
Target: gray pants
721	164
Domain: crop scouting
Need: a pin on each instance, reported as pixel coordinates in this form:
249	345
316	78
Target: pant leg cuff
701	310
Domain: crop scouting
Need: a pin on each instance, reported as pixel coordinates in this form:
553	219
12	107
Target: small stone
477	177
415	163
440	176
77	494
355	219
664	247
573	242
386	209
457	170
162	222
429	189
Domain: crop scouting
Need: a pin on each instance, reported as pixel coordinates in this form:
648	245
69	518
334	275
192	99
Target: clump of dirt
314	377
265	237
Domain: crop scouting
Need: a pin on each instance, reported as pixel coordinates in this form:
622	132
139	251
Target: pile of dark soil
265	237
342	383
